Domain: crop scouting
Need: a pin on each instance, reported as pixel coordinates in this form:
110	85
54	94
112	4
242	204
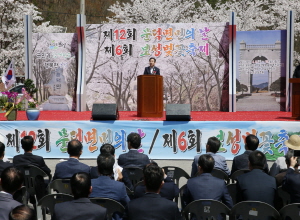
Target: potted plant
12	105
32	112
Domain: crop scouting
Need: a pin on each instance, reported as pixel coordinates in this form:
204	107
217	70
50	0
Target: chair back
48	202
290	211
135	174
220	174
111	206
205	209
181	192
284	196
253	210
60	186
237	173
232	192
175	173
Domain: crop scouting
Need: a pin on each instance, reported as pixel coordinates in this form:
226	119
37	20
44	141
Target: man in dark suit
206	186
256	185
66	169
11	181
106	187
3	164
133	158
81	207
152	69
241	162
212	147
152	205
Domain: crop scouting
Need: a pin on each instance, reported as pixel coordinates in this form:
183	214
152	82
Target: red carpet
132	116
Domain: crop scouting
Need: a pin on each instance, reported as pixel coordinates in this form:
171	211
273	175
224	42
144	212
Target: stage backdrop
261	70
160	140
55	70
193	59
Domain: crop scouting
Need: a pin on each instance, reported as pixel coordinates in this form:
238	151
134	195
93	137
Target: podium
150	96
295	97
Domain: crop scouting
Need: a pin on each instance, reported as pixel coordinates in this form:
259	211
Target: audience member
22	212
133	158
3	164
169	190
152	205
256	185
206	186
11	181
241	162
106	187
66	169
212	147
293	143
81	207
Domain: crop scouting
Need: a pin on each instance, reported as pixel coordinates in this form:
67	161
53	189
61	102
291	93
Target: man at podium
152	69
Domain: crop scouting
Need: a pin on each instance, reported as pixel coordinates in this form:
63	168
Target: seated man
11	181
81	207
3	164
152	205
133	158
212	147
66	169
241	162
256	185
106	187
22	212
206	186
280	176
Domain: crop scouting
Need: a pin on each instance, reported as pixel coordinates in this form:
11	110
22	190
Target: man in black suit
133	158
206	186
152	69
3	164
11	181
66	169
152	205
256	185
81	207
241	162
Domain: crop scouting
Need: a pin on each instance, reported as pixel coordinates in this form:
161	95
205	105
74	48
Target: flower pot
12	116
32	113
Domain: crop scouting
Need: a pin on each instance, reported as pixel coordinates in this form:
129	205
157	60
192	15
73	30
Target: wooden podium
295	97
150	96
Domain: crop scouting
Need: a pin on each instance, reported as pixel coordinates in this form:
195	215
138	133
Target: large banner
192	57
160	140
261	70
55	70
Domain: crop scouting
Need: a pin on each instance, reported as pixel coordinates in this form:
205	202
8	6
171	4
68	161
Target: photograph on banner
160	140
192	58
55	70
261	70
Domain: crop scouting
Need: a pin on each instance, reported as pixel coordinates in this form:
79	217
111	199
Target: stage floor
195	116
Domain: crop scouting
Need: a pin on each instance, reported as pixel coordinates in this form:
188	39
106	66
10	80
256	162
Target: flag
9	77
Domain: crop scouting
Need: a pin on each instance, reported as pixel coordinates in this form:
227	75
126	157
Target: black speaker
105	112
178	112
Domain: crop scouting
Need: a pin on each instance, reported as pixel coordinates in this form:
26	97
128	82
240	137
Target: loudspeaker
105	112
178	112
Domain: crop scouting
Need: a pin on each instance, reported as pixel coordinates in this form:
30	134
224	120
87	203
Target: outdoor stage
161	139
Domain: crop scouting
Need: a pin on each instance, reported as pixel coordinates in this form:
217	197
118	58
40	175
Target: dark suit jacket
155	69
256	186
30	159
206	186
7	203
133	159
106	187
152	206
169	190
81	208
291	184
66	169
4	165
241	162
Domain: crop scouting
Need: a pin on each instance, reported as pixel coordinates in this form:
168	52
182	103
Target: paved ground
258	102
